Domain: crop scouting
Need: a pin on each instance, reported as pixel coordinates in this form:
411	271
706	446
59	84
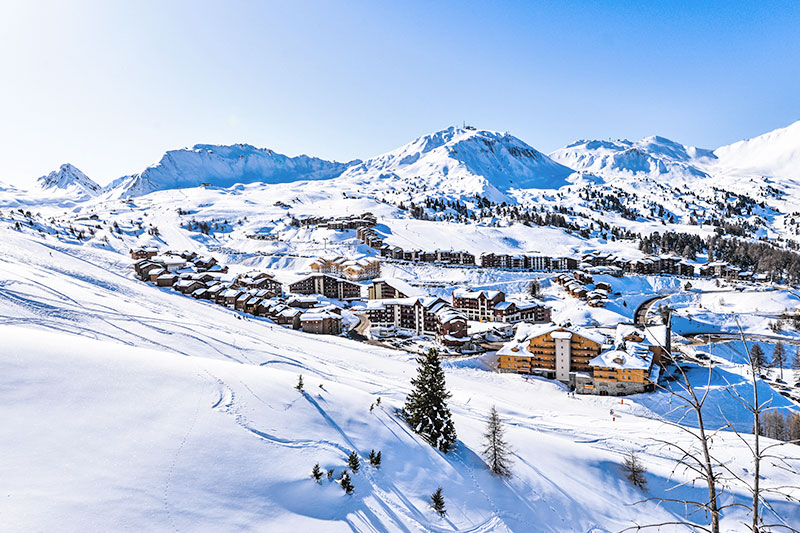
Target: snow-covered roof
526	332
655	335
401	286
472	294
636	357
318	315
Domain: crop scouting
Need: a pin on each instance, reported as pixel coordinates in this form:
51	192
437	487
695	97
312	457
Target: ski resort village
463	334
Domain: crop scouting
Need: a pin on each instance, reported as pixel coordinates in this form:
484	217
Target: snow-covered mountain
655	157
774	154
224	166
458	162
68	180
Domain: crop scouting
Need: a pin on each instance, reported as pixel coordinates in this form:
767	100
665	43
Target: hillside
655	157
176	413
775	154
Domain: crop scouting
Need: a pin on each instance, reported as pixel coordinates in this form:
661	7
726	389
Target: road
640	316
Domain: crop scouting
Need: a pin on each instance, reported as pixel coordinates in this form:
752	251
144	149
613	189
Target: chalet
146	269
268	307
258	280
167	280
321	322
553	351
328	286
214	290
188	286
251	304
200	294
241	300
170	262
288	317
302	302
143	253
204	262
412	255
155	273
685	269
391	288
229	297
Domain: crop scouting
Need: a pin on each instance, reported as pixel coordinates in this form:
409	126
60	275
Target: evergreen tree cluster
684	244
353	463
777	263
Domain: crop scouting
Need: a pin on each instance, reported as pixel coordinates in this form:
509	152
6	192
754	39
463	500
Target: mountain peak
457	162
69	178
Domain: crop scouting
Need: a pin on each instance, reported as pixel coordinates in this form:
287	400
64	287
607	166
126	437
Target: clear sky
109	85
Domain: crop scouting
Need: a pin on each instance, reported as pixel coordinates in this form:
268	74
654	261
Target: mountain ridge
223	166
453	162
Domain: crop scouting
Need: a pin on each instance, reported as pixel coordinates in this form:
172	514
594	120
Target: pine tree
345	482
353	462
330	473
375	458
437	501
496	450
299	385
426	407
757	355
534	288
316	473
779	357
796	359
634	470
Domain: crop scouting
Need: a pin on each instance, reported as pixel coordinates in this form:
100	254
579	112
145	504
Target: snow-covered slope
223	166
775	154
135	408
69	181
654	156
456	163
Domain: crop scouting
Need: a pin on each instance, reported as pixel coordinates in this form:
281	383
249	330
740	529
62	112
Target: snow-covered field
132	407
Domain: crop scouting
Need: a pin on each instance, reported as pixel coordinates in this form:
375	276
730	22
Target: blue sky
110	85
